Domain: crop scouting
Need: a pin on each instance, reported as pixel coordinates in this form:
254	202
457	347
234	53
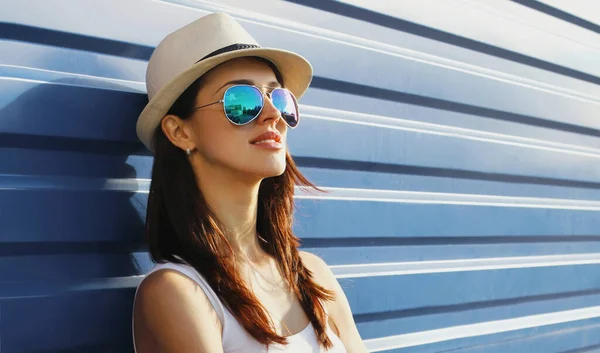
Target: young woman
228	275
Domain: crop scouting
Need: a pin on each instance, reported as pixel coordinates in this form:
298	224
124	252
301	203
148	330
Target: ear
177	131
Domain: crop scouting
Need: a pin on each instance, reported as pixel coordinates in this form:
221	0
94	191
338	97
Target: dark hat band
229	48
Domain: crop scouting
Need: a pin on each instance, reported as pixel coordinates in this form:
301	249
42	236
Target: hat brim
295	70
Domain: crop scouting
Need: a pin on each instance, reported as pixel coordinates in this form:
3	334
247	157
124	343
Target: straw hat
189	52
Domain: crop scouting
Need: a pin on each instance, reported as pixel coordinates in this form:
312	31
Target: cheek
282	127
217	139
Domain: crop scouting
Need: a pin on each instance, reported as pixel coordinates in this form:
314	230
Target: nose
269	113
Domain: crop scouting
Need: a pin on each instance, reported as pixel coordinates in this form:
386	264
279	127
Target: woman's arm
173	315
340	309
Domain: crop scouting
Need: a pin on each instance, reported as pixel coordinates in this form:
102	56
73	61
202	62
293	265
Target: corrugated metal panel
458	140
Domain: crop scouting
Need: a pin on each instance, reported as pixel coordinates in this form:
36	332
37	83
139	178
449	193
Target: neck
234	201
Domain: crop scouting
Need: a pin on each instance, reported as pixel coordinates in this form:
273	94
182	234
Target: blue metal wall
458	140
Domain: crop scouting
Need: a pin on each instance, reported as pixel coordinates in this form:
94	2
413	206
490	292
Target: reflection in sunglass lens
285	102
242	104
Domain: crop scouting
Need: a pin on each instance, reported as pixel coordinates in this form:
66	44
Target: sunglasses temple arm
207	105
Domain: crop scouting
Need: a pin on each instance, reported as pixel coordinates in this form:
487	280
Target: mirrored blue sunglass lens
242	104
285	102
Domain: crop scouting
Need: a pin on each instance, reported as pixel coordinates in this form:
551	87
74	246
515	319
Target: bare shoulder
312	260
323	276
167	311
322	273
339	309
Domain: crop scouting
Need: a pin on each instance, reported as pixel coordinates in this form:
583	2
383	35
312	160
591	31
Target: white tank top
236	339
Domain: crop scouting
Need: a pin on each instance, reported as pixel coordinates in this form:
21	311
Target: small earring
188	152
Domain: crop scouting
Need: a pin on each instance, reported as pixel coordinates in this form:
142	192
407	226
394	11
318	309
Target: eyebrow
248	82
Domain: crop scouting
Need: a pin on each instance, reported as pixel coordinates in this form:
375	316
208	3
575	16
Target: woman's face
221	144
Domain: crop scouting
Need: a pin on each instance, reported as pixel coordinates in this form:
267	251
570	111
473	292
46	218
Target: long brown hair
180	224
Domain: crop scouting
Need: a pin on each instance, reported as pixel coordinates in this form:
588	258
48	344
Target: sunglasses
243	103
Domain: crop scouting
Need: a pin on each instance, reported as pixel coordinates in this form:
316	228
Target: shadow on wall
71	216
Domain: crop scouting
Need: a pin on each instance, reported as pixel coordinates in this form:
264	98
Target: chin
263	166
273	171
268	170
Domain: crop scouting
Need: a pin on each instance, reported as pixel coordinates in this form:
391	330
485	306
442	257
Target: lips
267	137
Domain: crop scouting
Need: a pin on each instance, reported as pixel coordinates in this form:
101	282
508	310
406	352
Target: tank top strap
195	276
